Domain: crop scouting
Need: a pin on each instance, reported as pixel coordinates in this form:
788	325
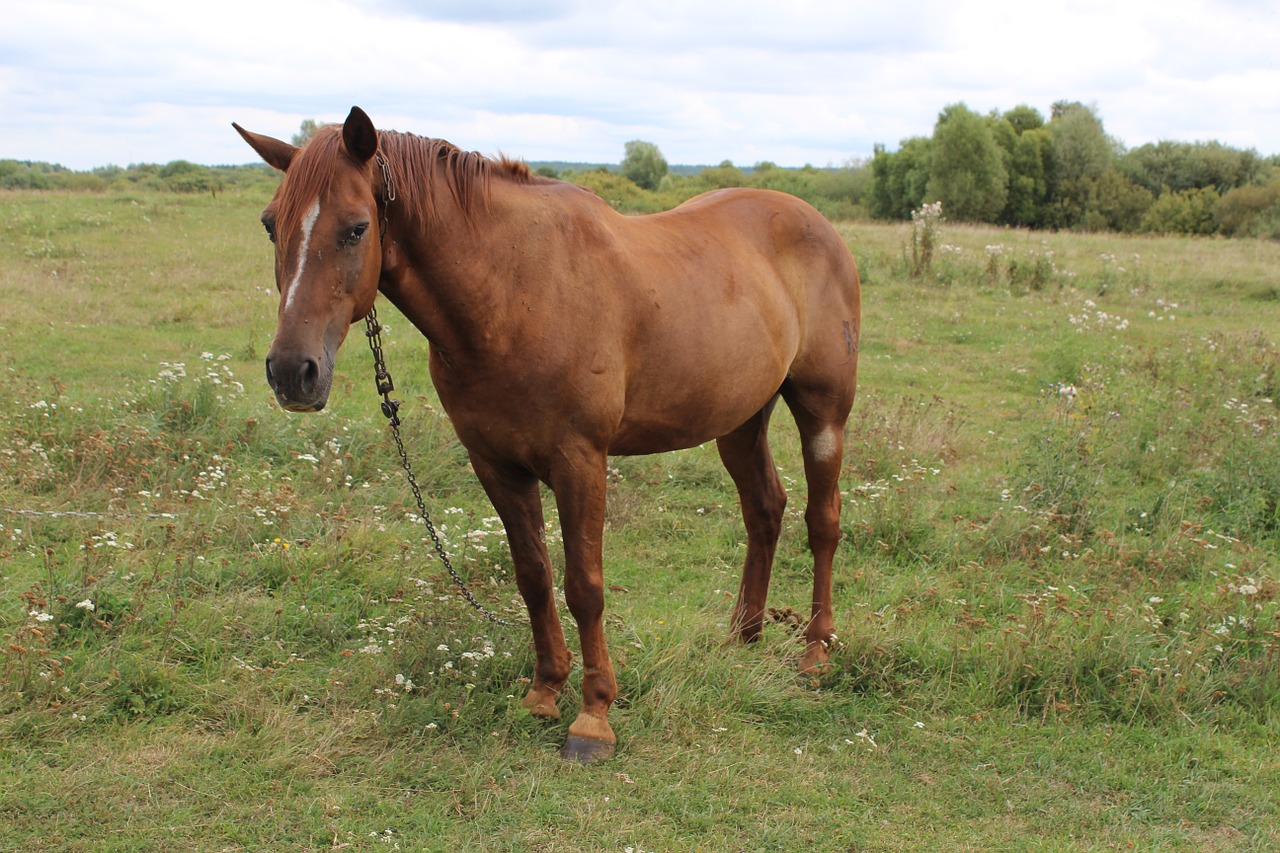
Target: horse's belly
691	414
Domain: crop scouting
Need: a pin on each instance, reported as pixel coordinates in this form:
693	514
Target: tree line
1013	168
179	176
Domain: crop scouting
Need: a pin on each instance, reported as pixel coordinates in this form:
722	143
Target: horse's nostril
309	374
271	380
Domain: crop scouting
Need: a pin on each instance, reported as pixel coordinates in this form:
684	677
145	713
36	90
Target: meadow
1056	596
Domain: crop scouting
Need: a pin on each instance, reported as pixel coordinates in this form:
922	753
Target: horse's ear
360	136
277	154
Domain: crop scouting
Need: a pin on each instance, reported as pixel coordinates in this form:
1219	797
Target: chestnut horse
562	332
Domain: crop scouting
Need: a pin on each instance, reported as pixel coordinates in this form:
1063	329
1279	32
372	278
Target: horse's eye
271	231
354	235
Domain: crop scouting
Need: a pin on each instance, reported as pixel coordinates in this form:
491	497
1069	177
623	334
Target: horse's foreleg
579	486
514	495
745	454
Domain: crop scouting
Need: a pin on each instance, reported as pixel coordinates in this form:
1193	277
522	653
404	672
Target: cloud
814	81
480	11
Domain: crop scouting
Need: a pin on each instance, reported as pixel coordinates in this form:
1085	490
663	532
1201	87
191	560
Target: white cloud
817	81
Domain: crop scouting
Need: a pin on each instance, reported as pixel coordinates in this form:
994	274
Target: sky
88	83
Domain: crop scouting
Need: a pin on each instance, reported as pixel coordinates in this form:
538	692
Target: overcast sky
88	83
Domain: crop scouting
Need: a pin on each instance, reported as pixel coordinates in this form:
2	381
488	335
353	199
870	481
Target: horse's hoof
816	661
586	750
541	704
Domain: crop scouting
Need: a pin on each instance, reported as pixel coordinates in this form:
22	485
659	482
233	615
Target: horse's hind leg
820	418
745	454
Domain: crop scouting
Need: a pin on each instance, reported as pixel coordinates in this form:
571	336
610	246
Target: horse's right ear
360	136
277	154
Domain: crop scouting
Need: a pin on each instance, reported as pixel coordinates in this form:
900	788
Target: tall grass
1056	594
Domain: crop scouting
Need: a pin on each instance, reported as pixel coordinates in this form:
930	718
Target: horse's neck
446	276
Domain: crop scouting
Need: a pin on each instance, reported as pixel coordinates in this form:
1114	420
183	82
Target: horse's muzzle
301	384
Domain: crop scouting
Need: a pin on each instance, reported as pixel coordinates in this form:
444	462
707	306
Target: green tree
966	171
1115	203
724	175
622	194
644	164
797	182
306	130
899	179
1252	210
1164	166
1184	212
842	193
1024	118
1029	167
1082	152
183	176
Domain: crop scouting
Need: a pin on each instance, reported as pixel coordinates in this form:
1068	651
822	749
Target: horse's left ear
276	153
360	136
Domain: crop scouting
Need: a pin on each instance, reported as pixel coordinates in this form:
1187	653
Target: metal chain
391	409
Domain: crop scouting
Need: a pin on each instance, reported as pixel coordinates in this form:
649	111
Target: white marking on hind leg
825	446
308	225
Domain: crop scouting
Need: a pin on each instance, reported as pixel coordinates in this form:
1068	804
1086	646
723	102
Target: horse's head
324	223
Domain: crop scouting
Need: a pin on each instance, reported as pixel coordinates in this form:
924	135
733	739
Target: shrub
1186	212
1250	211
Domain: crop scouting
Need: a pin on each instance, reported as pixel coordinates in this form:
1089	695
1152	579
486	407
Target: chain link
391	409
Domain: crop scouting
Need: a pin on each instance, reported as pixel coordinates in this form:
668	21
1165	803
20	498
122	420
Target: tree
1250	210
1116	203
966	170
644	164
306	130
724	175
1082	152
1024	118
1081	146
1029	164
186	177
1184	212
1176	166
899	179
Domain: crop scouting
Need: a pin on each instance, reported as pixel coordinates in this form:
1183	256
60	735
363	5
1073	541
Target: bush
1252	211
1186	212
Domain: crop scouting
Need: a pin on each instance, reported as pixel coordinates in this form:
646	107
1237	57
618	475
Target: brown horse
562	332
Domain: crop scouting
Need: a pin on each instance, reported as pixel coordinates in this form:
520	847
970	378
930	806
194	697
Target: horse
562	332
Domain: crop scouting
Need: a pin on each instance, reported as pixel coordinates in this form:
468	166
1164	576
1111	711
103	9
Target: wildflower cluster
218	373
170	373
877	490
380	635
1164	310
1091	318
1258	417
925	236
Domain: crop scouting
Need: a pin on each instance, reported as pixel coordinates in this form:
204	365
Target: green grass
1056	597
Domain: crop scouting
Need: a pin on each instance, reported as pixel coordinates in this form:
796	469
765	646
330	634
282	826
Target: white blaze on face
308	224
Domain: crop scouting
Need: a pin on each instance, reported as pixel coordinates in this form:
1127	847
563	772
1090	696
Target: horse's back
735	291
812	263
788	234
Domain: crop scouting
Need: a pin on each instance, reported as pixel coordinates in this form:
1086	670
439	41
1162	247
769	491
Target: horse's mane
418	165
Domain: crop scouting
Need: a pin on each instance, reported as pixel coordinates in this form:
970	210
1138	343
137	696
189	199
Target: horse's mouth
295	406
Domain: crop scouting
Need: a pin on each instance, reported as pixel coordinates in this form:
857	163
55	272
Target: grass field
1056	597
